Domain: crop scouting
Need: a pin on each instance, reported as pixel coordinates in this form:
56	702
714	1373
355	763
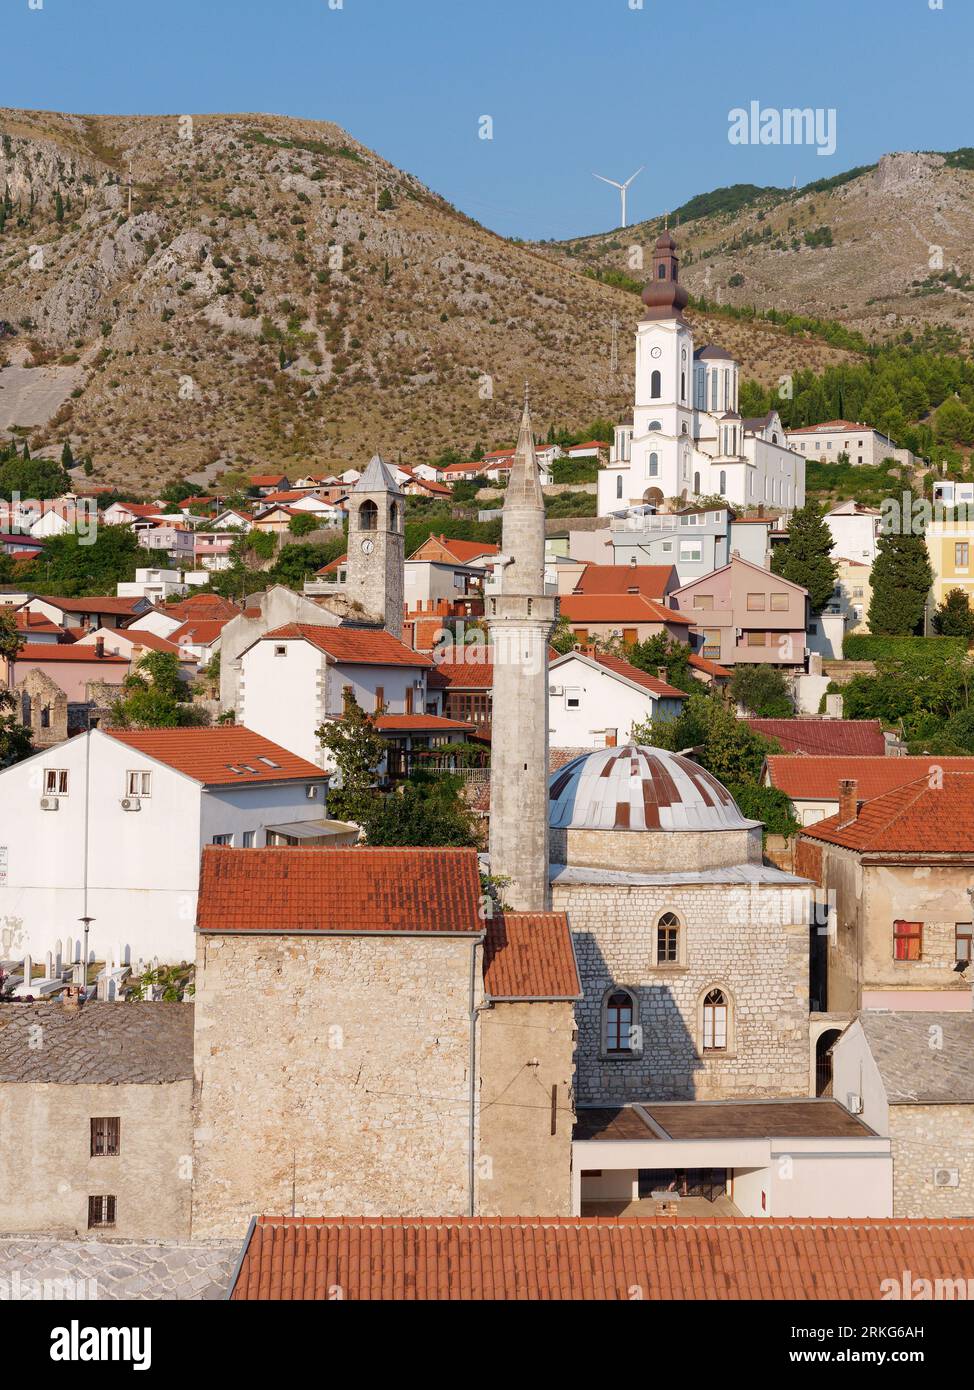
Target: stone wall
332	1077
744	941
526	1067
927	1137
49	1174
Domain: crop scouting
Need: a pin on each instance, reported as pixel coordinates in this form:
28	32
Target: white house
294	678
157	585
855	531
860	443
687	438
110	826
594	700
122	641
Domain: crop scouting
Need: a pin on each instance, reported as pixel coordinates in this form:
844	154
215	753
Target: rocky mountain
188	294
883	249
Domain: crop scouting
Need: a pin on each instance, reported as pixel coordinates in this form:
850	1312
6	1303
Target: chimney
99	647
848	801
663	675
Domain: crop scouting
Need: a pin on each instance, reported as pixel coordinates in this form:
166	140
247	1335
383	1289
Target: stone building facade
96	1103
693	954
366	1043
375	576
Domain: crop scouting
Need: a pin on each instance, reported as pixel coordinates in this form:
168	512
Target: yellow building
950	545
852	594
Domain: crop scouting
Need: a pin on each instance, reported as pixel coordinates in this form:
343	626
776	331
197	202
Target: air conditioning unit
556	690
854	1103
946	1177
131	803
49	803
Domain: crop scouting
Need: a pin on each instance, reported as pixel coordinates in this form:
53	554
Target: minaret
376	561
520	619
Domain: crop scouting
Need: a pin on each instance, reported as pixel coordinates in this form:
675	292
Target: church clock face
368	547
656	352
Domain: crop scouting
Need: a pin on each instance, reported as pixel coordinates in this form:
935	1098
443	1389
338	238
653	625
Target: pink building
71	666
746	616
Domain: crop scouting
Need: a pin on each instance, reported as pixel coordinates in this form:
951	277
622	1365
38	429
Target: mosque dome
640	788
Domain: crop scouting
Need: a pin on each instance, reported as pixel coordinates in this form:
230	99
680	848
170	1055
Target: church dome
640	788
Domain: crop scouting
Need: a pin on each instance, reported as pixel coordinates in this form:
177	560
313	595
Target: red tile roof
210	755
475	673
355	646
267	479
923	815
420	723
139	638
649	580
618	608
101	604
817	779
529	955
830	425
38	652
643	678
462	551
333	565
202	606
29	623
711	668
594	1258
824	736
199	632
340	890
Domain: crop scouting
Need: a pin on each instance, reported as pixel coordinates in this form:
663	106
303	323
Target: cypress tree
804	557
67	458
901	581
58	206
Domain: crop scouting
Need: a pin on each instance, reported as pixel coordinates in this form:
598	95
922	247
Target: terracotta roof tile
210	755
357	646
65	651
711	668
593	1258
202	606
340	890
618	608
403	723
832	737
812	778
643	678
936	815
124	607
529	955
649	580
199	631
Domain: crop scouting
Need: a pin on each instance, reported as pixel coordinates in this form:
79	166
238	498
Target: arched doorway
653	496
823	1061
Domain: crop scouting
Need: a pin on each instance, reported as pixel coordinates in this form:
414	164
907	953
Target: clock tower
376	558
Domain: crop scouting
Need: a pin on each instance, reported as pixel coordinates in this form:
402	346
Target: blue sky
572	86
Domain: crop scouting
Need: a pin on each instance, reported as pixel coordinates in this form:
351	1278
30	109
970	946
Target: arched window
722	487
368	517
662	273
618	1021
619	485
683	386
715	1021
696	483
656	385
774	437
668	939
394	516
686	427
654	425
653	467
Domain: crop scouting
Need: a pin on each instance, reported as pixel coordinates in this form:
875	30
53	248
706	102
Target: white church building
687	438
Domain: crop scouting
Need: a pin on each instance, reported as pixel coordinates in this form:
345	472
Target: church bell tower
520	619
376	559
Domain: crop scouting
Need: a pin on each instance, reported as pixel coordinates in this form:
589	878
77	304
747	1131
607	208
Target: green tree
58	206
40	478
385	201
71	566
303	524
427	810
901	580
155	696
953	617
722	743
767	804
762	691
661	653
67	458
563	636
15	741
358	749
804	557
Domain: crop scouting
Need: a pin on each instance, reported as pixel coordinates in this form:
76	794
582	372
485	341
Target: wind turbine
623	189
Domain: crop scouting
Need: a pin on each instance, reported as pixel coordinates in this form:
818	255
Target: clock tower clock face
656	352
368	547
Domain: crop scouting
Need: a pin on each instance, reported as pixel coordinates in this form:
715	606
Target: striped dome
638	788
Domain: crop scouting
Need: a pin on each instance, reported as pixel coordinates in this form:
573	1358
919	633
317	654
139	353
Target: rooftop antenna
623	189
